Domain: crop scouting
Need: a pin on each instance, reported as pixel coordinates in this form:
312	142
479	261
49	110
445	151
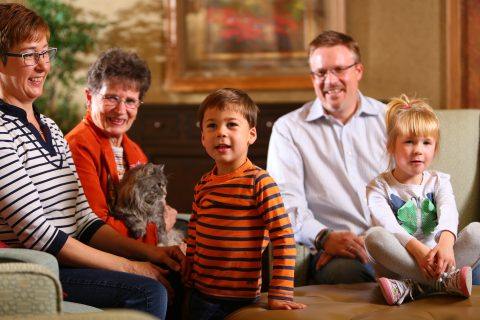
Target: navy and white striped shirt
41	198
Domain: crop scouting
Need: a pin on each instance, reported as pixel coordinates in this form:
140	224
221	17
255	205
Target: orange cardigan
95	163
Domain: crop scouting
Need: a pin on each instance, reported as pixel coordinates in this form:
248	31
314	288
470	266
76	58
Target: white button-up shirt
322	166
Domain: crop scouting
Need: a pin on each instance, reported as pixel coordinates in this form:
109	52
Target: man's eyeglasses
337	72
32	58
111	100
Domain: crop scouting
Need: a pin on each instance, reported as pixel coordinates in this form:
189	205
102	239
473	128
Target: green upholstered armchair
30	288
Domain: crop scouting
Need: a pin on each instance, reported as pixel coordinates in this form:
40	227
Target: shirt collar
17	112
366	108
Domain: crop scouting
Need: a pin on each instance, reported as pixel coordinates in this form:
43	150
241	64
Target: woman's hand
170	215
442	255
152	271
171	257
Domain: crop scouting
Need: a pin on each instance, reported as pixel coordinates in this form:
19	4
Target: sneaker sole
384	284
466	274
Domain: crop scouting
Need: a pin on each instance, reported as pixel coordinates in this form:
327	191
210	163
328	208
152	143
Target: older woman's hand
171	257
170	215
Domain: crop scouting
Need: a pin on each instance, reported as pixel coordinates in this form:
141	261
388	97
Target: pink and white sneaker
395	291
458	282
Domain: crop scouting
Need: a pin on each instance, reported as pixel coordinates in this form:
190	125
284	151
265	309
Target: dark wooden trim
454	78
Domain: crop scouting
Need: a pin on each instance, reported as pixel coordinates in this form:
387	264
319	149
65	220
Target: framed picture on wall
256	44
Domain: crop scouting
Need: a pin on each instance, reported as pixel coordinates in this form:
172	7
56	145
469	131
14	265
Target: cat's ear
149	169
159	168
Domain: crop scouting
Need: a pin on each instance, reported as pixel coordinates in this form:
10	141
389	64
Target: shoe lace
405	288
450	281
414	288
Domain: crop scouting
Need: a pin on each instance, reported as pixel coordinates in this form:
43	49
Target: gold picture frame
257	45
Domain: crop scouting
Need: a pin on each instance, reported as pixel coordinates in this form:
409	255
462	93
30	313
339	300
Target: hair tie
406	106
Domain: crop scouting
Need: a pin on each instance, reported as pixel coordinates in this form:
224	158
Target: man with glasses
322	157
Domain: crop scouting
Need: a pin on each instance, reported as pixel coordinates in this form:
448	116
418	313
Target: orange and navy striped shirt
234	218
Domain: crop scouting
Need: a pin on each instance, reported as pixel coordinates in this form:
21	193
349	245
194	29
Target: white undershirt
119	161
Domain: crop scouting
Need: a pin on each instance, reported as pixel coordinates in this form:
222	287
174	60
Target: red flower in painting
234	25
244	26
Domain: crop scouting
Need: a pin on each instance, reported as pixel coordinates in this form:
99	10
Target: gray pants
392	260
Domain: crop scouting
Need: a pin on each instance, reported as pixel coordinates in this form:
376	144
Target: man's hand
323	260
442	256
284	305
346	244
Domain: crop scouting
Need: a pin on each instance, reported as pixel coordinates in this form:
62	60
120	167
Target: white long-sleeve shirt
322	166
386	196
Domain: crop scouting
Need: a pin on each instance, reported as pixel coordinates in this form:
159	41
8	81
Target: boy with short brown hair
237	210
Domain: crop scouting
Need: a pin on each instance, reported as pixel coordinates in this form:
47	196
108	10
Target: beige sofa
459	156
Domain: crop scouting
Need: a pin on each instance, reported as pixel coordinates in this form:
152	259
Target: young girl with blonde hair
415	246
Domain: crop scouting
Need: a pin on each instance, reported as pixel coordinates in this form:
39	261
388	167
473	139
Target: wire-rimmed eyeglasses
111	100
32	58
337	71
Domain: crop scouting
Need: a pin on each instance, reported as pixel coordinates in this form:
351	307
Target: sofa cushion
72	307
459	157
363	301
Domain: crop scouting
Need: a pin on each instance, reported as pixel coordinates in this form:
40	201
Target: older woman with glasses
101	149
42	203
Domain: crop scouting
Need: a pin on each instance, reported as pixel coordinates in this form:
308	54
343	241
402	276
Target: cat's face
146	184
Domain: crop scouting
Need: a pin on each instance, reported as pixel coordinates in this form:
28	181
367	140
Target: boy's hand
442	255
284	305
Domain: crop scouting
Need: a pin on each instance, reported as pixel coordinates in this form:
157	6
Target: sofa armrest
27	288
30	256
105	315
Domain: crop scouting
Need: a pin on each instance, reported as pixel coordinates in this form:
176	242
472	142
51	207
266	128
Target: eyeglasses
32	58
113	101
337	72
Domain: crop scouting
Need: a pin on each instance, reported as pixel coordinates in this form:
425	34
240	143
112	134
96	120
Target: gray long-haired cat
140	198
